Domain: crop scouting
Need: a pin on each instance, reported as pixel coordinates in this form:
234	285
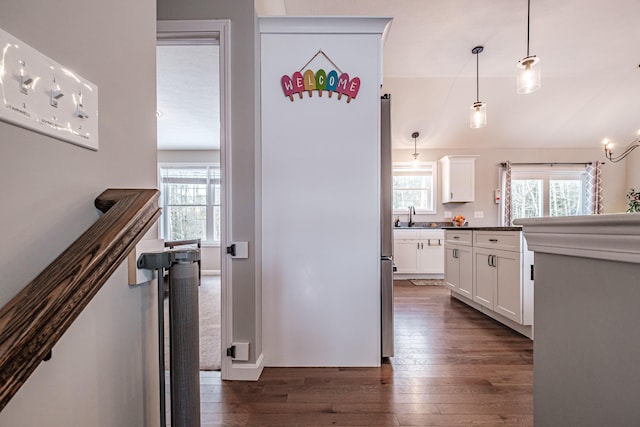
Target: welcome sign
321	81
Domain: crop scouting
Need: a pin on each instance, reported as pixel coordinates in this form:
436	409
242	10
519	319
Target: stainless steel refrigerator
386	220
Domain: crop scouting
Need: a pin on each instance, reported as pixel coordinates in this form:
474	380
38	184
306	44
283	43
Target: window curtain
506	196
594	188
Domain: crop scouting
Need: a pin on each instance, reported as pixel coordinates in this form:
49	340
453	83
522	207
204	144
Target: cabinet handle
439	242
429	242
455	253
493	240
493	260
421	245
489	260
418	245
451	195
456	237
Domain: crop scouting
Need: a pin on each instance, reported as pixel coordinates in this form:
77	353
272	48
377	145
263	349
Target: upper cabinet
458	178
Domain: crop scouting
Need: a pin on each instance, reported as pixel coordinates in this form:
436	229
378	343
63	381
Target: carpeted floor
426	282
209	315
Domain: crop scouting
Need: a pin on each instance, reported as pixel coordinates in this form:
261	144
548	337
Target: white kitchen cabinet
499	281
458	178
419	251
458	269
405	255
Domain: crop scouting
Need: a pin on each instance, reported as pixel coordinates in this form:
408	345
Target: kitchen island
587	319
491	270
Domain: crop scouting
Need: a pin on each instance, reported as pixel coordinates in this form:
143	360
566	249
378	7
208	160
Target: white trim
210	272
315	25
222	28
248	371
526	330
614	237
434	183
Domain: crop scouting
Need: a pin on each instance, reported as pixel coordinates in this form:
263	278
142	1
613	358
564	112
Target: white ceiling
188	92
589	51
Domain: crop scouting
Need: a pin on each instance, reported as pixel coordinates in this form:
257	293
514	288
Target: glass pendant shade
529	74
415	163
478	115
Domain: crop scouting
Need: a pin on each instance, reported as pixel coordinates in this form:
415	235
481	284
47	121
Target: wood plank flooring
453	366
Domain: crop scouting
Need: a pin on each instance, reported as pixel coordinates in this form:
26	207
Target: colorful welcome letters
320	81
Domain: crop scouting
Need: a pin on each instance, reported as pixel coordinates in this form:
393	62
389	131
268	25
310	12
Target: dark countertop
484	228
423	225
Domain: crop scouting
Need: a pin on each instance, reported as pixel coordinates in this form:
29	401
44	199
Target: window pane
217	235
186	194
187	222
413	187
420	199
526	198
565	197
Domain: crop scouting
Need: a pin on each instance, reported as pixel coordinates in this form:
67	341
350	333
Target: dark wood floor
453	366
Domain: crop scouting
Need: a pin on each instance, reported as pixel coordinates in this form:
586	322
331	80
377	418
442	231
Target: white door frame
191	31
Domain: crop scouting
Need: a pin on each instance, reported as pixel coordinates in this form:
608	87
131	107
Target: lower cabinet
498	282
493	272
418	251
458	269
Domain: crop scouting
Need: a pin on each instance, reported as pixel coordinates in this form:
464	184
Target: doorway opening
192	140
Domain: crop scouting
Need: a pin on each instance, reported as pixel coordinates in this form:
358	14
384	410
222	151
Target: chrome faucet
412	211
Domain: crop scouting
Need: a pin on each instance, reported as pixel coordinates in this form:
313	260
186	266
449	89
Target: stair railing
35	319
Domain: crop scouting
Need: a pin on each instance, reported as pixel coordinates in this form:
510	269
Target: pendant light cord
477	79
528	18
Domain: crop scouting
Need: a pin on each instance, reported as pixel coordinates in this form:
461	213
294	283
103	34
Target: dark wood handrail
33	321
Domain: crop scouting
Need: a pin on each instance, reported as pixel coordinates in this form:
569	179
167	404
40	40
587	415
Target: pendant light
415	162
478	118
529	66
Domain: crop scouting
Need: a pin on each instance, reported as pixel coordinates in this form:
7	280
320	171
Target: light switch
478	214
448	214
40	95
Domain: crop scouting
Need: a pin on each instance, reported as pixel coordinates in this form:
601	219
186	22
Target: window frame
434	184
548	173
211	201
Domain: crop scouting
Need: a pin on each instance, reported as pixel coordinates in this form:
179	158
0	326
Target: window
414	186
190	197
548	191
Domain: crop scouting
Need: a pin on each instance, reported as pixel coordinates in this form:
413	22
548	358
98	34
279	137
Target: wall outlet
448	214
478	214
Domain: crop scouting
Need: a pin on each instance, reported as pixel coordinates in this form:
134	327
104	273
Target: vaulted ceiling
589	52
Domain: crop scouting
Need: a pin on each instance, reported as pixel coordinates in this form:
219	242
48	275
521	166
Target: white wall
487	176
103	371
245	286
320	199
632	164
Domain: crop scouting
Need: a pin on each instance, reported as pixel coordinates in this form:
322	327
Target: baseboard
245	371
417	276
210	272
527	331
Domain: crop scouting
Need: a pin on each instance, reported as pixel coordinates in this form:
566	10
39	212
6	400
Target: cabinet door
405	256
465	260
451	268
508	297
431	256
485	277
458	179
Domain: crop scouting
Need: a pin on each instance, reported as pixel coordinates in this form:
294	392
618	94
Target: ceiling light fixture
415	162
529	66
608	149
478	109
